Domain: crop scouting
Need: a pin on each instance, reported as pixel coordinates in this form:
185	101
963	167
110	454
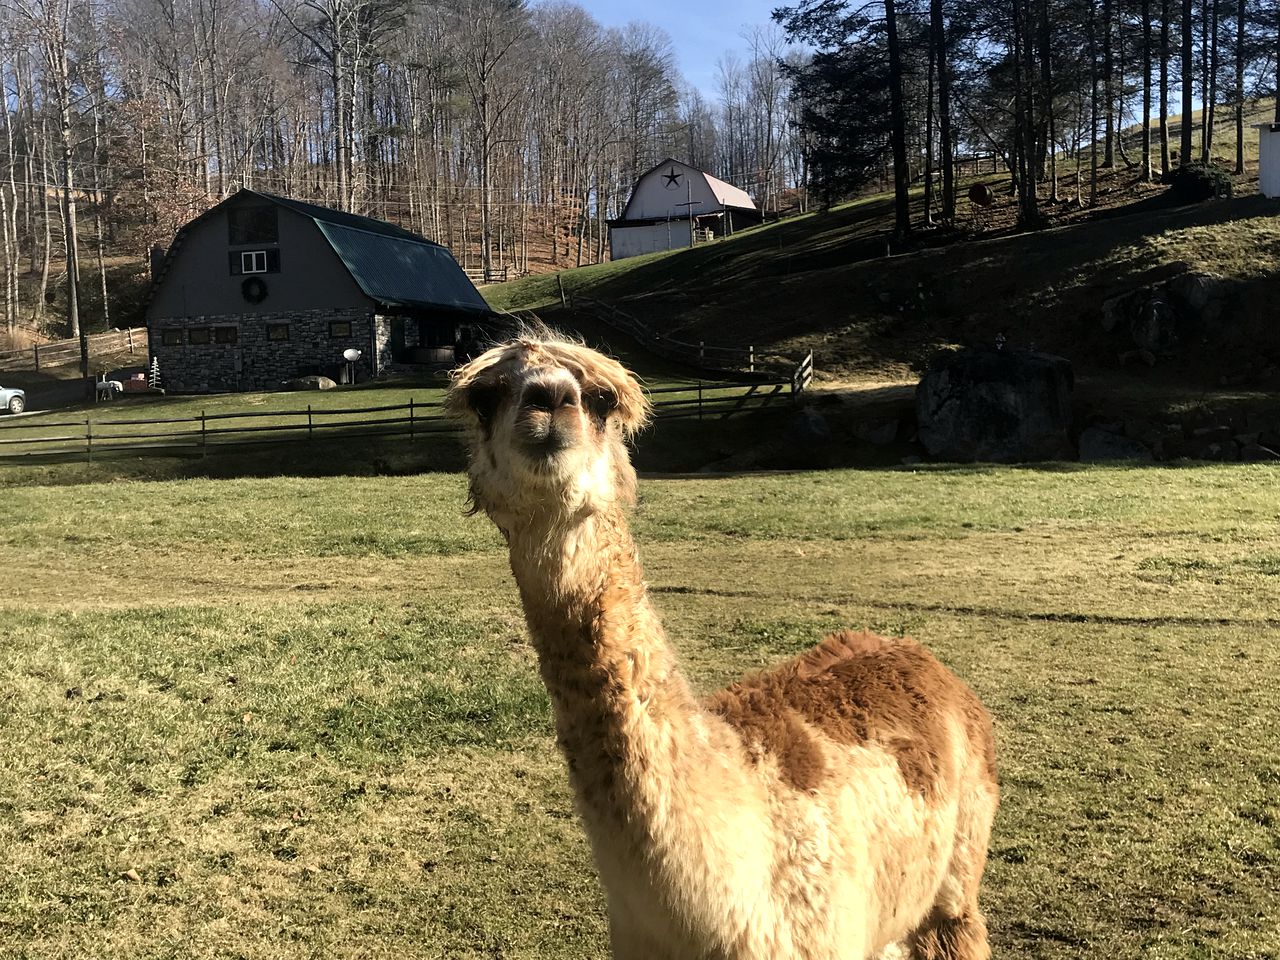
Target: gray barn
261	289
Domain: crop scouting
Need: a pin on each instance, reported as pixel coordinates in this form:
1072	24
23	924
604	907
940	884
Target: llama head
546	423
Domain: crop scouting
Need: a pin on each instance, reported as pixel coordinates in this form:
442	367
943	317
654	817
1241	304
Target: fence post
411	418
751	359
128	332
699	399
88	438
310	434
204	436
702	351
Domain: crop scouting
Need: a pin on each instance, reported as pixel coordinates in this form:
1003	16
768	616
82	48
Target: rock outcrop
1004	406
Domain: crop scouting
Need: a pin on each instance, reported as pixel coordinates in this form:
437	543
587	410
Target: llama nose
549	395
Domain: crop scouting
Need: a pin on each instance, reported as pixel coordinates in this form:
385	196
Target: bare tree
491	33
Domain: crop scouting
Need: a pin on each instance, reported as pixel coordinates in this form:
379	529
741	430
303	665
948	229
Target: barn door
398	346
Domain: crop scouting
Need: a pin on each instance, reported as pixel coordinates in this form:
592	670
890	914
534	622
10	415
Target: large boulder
1163	318
1193	291
1005	406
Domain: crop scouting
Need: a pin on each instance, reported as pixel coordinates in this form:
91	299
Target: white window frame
253	261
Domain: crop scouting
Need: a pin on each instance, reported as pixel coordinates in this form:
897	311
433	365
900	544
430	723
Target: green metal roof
403	272
391	265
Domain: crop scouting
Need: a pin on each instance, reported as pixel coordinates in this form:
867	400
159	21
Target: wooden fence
492	275
701	355
62	352
52	438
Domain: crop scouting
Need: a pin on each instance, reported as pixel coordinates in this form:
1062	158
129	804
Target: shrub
1193	183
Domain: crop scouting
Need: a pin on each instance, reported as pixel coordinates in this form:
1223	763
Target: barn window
339	328
225	335
199	335
277	331
254	261
253	225
171	337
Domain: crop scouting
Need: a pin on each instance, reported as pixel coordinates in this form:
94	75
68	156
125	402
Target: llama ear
476	390
613	393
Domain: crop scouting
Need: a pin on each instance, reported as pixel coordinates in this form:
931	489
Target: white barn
670	202
1268	159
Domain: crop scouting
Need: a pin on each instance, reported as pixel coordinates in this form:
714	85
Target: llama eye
484	400
601	403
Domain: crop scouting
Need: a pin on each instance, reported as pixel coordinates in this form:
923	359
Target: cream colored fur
704	849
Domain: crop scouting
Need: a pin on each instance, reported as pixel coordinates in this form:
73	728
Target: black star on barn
672	178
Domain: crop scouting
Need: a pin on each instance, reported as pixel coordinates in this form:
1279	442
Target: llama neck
620	702
586	605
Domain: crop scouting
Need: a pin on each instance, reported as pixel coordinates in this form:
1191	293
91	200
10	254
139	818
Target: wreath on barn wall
253	289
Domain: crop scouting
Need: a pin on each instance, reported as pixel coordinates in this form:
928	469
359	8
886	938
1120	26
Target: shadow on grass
770	441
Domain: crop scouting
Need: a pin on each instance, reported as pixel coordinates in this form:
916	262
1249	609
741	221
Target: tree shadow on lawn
768	441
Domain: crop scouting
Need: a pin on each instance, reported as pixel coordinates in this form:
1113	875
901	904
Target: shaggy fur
835	807
853	689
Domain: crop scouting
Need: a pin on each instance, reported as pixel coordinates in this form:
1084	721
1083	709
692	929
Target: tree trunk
928	145
1093	103
901	185
1165	14
1023	125
99	161
1045	41
1206	100
946	147
1277	57
1239	86
341	144
1188	81
486	199
1108	82
1211	99
46	252
1146	90
12	246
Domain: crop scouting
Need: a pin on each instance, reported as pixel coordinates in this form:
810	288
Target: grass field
299	717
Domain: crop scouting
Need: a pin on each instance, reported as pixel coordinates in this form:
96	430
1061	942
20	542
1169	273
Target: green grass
304	713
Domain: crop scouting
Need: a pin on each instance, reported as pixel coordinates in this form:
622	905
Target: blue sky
701	30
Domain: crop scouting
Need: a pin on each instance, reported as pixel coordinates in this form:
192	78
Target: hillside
826	282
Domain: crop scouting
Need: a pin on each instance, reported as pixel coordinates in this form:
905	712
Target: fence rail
701	355
492	275
62	352
57	438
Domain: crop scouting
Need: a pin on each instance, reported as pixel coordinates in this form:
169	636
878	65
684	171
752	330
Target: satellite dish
351	355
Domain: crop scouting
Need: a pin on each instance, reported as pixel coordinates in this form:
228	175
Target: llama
836	806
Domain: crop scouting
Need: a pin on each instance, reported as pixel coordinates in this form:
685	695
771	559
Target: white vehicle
13	400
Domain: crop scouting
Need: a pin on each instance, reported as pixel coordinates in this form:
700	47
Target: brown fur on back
857	689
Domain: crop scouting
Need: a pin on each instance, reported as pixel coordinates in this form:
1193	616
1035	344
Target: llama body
826	809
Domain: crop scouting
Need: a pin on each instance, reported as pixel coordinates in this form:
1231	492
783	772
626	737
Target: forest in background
512	132
1047	86
508	132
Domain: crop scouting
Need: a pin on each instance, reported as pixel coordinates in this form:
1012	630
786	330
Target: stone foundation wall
382	339
255	362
